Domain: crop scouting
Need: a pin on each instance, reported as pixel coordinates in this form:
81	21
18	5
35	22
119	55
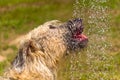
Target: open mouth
80	37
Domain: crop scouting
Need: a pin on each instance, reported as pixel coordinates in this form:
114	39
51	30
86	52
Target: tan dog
42	48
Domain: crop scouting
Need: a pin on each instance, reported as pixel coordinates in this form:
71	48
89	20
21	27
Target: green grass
31	16
18	17
23	15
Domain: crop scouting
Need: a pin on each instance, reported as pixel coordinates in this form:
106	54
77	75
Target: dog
42	48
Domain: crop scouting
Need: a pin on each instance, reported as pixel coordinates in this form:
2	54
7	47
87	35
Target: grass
18	17
23	15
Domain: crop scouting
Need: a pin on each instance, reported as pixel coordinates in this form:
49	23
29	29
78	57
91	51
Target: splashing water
93	63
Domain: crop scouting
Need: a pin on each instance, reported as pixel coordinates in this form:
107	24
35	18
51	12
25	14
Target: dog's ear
19	61
25	49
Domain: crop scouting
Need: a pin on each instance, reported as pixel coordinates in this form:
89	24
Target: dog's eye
52	27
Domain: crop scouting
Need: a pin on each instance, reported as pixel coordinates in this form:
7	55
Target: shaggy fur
40	51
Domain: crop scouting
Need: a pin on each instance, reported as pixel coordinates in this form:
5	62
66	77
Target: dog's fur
40	51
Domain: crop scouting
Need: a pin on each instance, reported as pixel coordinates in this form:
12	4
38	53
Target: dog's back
39	53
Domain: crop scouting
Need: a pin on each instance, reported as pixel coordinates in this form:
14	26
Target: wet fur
40	51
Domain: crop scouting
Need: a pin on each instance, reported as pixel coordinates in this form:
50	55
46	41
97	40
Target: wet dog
42	48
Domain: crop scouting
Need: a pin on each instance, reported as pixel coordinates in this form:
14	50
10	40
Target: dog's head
78	39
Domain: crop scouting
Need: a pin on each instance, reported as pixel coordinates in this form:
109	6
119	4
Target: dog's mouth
80	37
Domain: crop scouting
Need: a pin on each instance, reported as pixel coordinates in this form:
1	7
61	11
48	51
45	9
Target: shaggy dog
42	48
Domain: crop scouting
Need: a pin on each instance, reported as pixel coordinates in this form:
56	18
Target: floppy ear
19	61
25	49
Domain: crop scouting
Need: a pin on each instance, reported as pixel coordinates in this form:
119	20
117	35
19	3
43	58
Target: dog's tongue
80	37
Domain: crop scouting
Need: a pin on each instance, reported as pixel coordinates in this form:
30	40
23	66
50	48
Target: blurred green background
18	17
